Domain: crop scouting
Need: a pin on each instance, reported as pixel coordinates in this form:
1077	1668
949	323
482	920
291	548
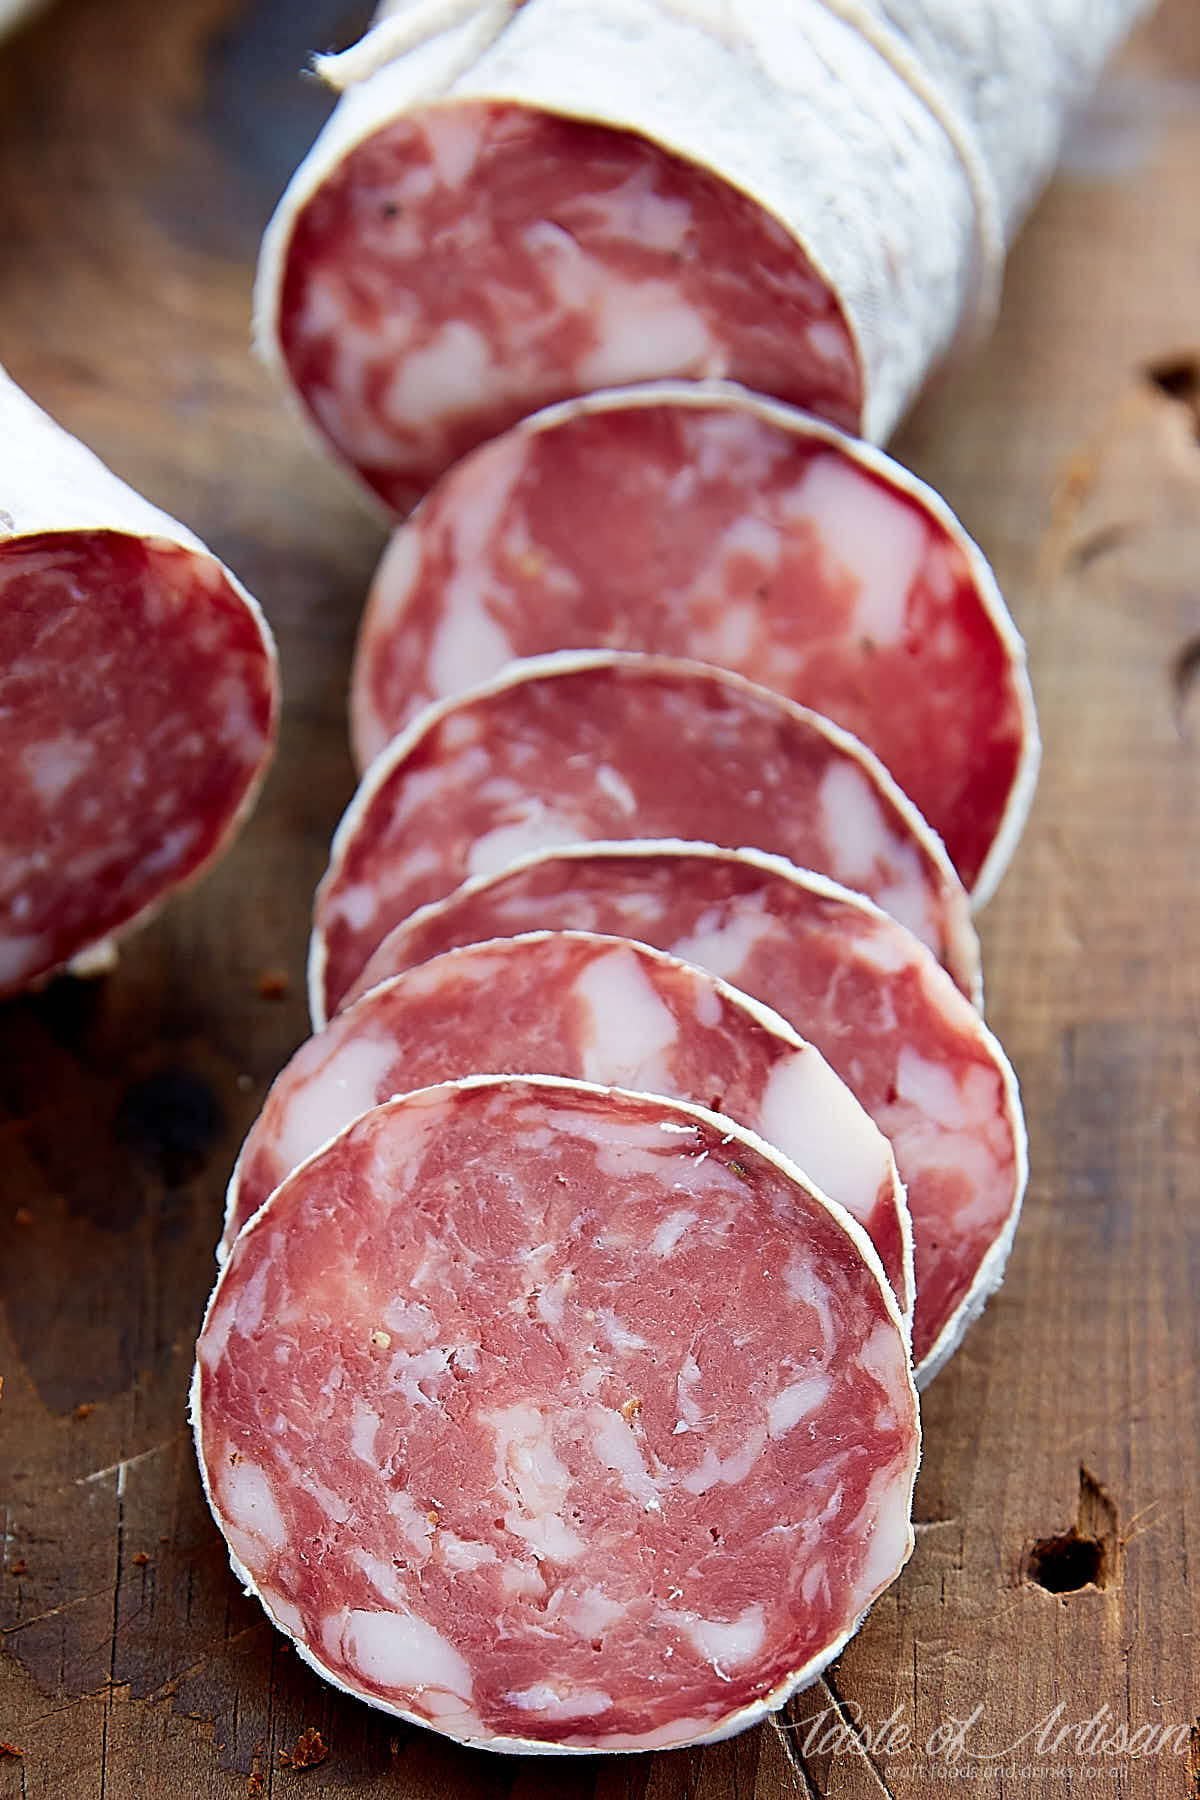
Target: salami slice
552	197
138	700
717	526
557	1417
605	745
850	980
600	1009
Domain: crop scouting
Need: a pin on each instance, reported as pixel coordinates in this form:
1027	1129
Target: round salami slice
600	1009
557	1417
138	700
850	980
604	745
714	525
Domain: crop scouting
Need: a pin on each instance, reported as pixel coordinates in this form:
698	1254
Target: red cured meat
137	712
851	981
719	527
466	264
600	1009
582	746
557	1417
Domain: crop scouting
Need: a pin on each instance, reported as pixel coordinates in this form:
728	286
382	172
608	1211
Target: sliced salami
715	525
138	700
850	980
552	197
600	1009
556	1417
594	745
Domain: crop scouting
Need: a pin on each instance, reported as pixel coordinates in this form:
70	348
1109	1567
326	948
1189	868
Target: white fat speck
445	376
629	1029
884	950
815	1579
686	1404
413	1323
469	644
801	1282
611	782
883	1521
540	829
523	1581
172	850
408	1369
644	329
52	765
724	946
463	1554
616	1445
876	540
932	1088
727	1642
414	1522
549	1703
248	1499
383	1576
453	136
399	1651
669	1233
528	1469
592	1612
618	1333
814	1118
339	1089
364	1427
715	1470
356	903
795	1402
853	823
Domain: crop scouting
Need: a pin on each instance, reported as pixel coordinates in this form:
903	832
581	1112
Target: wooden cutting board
142	146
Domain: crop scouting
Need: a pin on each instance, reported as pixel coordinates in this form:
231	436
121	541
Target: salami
719	526
138	700
851	981
548	198
600	1009
557	1417
595	745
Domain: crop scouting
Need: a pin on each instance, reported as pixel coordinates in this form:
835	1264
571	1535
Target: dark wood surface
142	146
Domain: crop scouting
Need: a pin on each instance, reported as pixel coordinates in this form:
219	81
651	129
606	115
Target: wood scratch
120	1469
794	1760
856	1736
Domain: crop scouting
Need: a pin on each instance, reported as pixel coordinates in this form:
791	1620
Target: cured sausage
548	198
557	1417
602	745
138	700
715	525
600	1009
850	980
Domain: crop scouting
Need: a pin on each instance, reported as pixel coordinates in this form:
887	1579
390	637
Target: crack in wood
856	1736
793	1758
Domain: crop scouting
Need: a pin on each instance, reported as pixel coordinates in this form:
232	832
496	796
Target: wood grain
141	148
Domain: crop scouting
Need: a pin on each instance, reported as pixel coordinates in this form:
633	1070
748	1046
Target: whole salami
712	524
547	198
602	745
849	979
138	700
600	1009
558	1417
